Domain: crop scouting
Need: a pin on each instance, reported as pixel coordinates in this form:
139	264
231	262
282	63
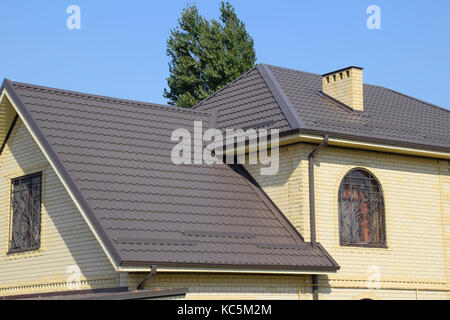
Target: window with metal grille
25	227
361	210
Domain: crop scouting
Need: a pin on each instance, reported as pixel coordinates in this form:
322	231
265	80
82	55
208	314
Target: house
92	206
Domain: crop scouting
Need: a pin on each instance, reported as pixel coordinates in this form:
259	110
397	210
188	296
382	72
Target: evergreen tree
206	55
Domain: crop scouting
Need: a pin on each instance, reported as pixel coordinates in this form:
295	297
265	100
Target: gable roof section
389	116
114	158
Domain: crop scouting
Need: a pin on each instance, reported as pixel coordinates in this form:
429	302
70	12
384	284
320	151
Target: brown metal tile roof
115	157
246	102
296	96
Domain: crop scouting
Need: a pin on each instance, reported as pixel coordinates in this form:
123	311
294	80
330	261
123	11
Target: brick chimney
346	86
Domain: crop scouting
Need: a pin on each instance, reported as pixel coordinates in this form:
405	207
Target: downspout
312	209
315	287
147	278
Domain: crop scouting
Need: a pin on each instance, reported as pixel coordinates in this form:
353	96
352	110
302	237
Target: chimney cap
343	69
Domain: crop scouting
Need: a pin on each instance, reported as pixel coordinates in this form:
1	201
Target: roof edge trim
328	255
132	266
281	98
310	136
319	270
61	172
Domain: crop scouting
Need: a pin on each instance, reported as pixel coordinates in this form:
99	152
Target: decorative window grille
25	213
361	210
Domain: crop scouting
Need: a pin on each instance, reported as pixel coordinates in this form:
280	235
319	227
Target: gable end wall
66	240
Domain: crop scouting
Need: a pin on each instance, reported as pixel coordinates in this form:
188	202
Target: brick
65	237
413	195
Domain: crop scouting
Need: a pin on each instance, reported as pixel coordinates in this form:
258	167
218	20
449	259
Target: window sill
18	251
370	246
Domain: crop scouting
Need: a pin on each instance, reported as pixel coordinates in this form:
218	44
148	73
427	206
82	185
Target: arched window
361	210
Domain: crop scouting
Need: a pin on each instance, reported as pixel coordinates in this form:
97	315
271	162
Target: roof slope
117	153
246	102
388	116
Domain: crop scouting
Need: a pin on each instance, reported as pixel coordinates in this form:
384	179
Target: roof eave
145	266
287	135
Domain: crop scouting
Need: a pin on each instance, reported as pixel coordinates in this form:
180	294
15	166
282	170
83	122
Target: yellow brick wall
444	175
417	212
229	286
66	239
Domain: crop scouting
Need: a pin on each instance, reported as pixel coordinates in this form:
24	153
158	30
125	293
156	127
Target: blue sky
120	49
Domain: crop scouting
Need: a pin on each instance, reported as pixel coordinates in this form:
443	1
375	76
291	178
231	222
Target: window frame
11	195
383	244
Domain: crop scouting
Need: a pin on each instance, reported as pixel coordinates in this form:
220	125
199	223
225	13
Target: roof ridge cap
288	110
368	84
223	88
291	69
106	98
408	96
416	99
